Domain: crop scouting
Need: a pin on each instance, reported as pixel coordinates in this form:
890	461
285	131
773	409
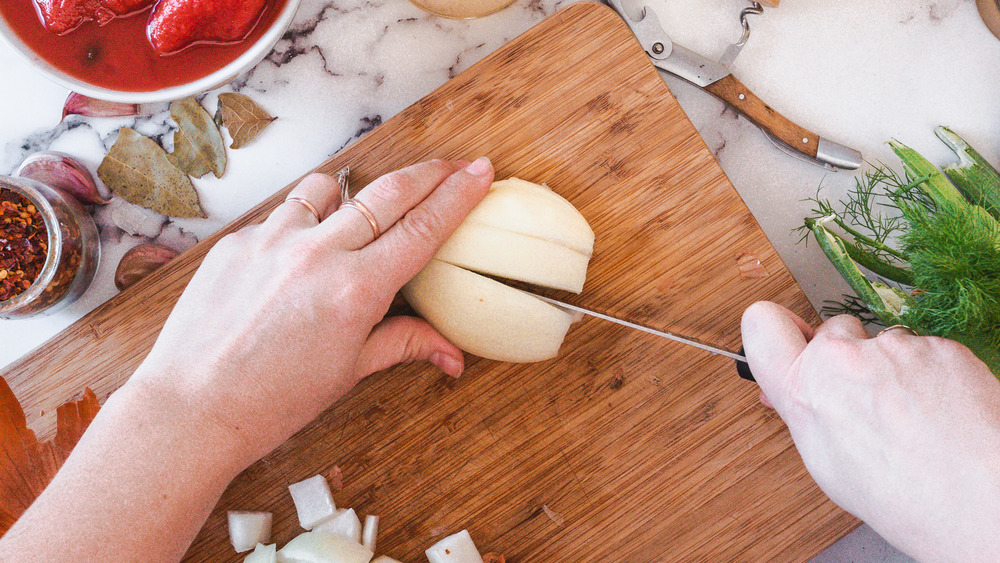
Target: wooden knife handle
734	93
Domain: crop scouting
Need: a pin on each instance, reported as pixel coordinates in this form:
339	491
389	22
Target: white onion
320	547
371	532
247	529
262	554
344	523
485	317
313	501
385	559
456	548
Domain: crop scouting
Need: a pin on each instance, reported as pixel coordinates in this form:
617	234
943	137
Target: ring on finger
308	205
897	327
363	209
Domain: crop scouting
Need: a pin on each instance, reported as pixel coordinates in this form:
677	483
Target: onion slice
370	533
344	523
320	547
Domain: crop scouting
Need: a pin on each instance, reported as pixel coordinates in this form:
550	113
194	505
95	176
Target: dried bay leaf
243	117
137	169
26	465
198	145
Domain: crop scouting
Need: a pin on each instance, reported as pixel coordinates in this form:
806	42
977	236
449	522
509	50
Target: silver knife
741	361
716	78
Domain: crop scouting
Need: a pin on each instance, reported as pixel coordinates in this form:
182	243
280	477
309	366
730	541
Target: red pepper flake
24	243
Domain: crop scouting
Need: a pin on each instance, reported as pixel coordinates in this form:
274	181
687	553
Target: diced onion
247	529
456	548
262	554
344	523
320	547
385	559
313	501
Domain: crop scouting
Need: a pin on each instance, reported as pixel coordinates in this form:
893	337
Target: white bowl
245	61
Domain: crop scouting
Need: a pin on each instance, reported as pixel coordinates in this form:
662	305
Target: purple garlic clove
62	172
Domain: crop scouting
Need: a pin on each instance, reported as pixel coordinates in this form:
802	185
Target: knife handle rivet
658	48
742	97
805	140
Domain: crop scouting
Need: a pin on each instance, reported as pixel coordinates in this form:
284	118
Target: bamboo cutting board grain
626	447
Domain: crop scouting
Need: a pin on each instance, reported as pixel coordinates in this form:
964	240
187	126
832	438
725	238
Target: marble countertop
854	71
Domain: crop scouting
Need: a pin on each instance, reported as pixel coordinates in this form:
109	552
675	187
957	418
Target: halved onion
520	231
485	317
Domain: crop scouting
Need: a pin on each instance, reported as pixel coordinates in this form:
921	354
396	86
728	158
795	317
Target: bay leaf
198	145
137	169
243	117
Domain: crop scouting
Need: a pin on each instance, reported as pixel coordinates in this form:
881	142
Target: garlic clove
62	172
141	261
78	104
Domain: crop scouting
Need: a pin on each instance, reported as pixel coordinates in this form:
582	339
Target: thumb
774	338
397	340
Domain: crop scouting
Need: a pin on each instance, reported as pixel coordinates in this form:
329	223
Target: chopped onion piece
320	547
262	554
247	529
370	532
313	501
344	523
456	548
385	559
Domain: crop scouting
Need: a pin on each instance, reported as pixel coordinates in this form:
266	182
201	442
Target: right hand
902	431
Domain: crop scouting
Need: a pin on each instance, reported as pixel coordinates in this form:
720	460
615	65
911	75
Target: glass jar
462	9
74	249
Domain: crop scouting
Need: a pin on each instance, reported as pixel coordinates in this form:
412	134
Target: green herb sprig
931	240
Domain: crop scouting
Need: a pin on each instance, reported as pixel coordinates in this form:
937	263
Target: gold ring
308	205
897	327
355	204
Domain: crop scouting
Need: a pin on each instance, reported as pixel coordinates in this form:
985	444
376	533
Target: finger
843	326
407	247
773	343
388	198
397	340
320	190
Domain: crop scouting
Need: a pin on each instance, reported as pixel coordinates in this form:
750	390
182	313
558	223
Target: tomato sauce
118	55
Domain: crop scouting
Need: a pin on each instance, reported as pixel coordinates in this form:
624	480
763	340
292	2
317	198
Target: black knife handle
743	368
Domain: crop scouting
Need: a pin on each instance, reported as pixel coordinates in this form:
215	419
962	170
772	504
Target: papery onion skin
62	172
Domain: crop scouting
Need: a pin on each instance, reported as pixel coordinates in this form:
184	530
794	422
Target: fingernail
447	364
480	167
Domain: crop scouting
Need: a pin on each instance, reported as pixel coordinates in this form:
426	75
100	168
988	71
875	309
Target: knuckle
421	223
391	186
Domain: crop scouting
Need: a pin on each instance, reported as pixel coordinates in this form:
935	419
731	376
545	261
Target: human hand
285	317
902	431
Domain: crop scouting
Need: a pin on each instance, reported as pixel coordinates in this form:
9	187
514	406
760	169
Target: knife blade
742	367
716	79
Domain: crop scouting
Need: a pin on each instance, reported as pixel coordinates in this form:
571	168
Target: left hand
285	317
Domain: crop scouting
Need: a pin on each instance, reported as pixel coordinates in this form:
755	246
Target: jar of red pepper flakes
49	249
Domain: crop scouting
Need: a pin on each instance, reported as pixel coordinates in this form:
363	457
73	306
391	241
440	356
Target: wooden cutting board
626	447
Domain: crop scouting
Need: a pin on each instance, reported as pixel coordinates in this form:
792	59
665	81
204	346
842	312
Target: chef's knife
715	78
742	367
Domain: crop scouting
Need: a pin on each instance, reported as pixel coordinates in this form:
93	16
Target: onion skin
62	172
141	261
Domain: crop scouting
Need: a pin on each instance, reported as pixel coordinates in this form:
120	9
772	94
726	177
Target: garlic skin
141	261
78	104
65	173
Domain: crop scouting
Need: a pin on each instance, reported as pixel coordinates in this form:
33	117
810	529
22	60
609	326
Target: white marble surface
856	71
